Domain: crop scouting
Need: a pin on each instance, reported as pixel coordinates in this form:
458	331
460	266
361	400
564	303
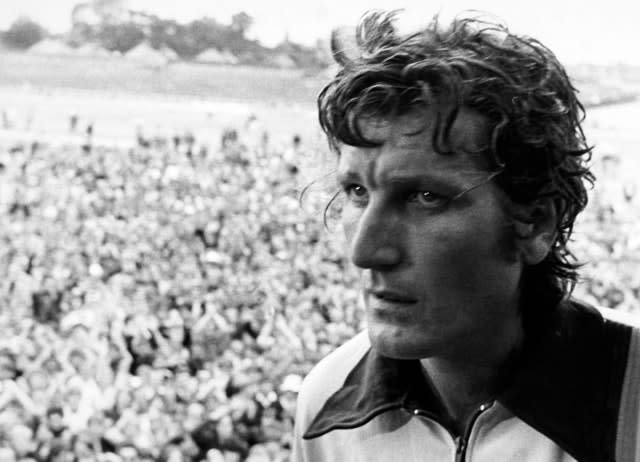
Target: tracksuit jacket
573	396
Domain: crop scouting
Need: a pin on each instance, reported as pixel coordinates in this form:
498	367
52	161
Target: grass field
238	83
597	84
117	95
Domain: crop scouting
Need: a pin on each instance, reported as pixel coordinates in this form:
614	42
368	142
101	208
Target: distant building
97	11
84	13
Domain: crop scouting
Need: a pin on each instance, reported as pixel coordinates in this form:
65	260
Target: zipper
461	448
459	441
463	441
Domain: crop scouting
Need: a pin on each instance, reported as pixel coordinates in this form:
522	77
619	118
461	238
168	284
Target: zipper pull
462	441
461	445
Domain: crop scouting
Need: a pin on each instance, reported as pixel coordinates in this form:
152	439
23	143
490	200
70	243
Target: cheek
349	220
464	256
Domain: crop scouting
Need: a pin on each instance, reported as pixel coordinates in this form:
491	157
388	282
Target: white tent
91	49
229	57
145	54
51	47
211	56
283	61
169	53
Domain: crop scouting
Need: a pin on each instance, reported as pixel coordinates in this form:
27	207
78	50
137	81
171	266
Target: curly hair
515	82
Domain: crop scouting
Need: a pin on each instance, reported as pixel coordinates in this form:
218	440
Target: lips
392	296
390	306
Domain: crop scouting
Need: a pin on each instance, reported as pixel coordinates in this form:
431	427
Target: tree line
187	40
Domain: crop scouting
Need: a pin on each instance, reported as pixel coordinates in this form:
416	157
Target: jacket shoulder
621	317
327	377
627	440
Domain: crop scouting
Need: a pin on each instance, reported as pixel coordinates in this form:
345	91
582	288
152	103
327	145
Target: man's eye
426	199
356	193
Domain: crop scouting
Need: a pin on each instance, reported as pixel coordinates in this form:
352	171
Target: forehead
468	130
407	141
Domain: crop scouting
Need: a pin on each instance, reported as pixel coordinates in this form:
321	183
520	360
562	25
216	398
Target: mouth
390	307
392	296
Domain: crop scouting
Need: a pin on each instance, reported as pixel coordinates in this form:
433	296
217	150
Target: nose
374	239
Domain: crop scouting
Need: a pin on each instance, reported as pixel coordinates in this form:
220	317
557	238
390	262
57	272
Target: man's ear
535	229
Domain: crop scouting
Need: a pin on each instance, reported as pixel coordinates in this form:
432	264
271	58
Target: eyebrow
413	177
409	178
344	176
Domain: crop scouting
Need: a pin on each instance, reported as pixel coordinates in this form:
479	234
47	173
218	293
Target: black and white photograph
319	231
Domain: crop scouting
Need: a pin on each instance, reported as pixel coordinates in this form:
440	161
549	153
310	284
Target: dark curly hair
536	138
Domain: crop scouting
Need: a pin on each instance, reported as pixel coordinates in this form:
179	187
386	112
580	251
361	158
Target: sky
578	31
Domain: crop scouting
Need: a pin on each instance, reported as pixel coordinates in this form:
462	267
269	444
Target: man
461	163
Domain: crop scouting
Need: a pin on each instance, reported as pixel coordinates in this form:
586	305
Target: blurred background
163	286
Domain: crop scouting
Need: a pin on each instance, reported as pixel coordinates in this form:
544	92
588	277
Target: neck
464	382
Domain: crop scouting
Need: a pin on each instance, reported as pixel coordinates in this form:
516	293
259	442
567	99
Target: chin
399	344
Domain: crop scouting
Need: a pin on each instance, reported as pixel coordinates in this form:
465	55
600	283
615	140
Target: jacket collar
567	385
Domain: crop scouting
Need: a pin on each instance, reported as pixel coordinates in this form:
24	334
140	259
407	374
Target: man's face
440	278
77	360
56	421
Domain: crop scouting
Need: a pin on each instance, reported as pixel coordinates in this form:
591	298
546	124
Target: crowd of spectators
163	302
607	236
